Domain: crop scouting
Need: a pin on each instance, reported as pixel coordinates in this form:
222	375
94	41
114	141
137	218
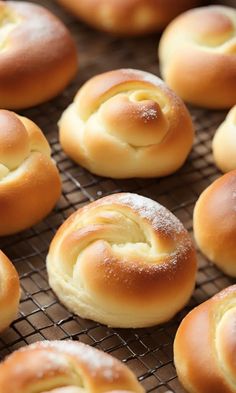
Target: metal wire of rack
148	352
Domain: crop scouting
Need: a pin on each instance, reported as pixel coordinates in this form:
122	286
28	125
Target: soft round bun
127	123
68	367
29	180
37	55
124	261
205	346
224	143
214	222
132	17
9	292
198	56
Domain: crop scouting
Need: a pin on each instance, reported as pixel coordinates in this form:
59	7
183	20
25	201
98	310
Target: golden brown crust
123	260
9	292
53	364
70	389
214	222
34	46
224	143
74	389
197	56
127	123
133	17
29	180
205	345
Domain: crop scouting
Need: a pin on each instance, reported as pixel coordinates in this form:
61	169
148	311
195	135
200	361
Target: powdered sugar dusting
162	221
96	361
160	218
148	114
51	364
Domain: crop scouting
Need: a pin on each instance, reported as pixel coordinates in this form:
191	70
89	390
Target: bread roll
127	123
224	143
37	55
132	17
124	261
67	366
9	292
29	180
214	222
205	346
197	56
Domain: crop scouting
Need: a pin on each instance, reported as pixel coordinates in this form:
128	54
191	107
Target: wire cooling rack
148	352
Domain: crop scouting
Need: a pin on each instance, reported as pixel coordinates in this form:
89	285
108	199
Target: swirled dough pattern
205	346
198	56
68	367
127	123
124	261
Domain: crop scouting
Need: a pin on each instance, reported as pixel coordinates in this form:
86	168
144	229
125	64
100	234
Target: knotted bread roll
224	143
9	292
124	261
214	222
37	55
66	366
127	123
198	56
132	17
29	180
205	346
